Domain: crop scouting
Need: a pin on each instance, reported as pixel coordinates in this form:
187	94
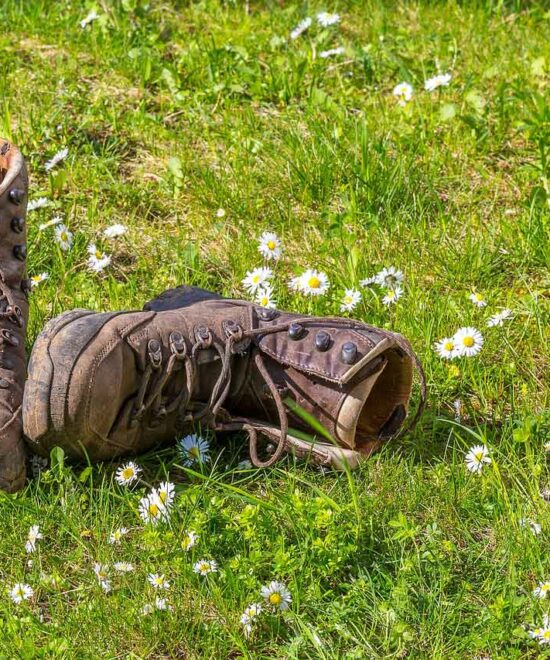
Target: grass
171	111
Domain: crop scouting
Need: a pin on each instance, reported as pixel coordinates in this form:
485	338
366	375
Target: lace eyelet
177	344
154	350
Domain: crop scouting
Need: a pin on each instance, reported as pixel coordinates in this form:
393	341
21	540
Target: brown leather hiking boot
14	310
114	384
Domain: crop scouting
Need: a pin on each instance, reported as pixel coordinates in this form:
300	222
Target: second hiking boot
104	385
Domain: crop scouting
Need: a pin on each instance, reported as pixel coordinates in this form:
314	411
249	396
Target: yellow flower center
264	301
448	346
391	295
128	473
314	282
348	300
117	536
98	254
255	279
194	452
545	588
36	278
479	297
271	245
546	634
163	496
204	567
275	598
478	455
468	342
153	509
64	236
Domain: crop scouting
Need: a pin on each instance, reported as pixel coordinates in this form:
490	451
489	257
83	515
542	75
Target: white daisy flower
114	231
368	281
205	566
300	28
97	260
277	595
542	590
116	536
123	567
194	449
38	279
534	527
33	536
331	52
57	158
441	80
547	446
162	604
220	213
389	277
101	571
189	540
478	300
325	19
151	510
256	278
542	633
468	342
56	219
21	592
246	623
127	473
313	282
63	236
446	348
264	297
165	493
90	18
499	318
270	245
477	457
392	296
158	581
105	585
39	203
253	610
351	299
403	93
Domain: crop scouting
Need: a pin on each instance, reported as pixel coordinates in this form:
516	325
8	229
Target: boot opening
5	159
376	407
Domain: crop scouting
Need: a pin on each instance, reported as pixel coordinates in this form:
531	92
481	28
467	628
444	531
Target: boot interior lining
388	397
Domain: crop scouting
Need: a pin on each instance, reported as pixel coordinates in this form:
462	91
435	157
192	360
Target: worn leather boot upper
14	289
120	383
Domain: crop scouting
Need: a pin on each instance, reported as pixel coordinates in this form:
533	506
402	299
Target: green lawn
173	111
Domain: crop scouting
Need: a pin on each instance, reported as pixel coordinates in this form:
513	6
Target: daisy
158	581
331	52
256	278
277	595
51	223
97	260
441	80
39	203
300	28
165	493
127	474
189	540
389	277
264	297
162	604
326	20
117	535
90	18
499	318
313	282
534	527
194	449
547	446
368	281
446	348
468	342
403	93
123	567
63	236
101	571
38	279
246	623
114	231
21	592
220	213
205	566
478	300
542	590
351	299
33	536
58	158
253	610
151	510
392	296
270	245
477	457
